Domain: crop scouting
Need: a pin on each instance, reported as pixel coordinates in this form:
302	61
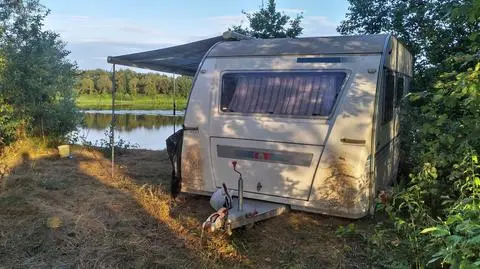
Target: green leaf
455	239
433	260
429	230
474	240
450	101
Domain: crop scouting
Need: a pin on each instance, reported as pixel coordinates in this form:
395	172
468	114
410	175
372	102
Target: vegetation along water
143	129
133	90
70	213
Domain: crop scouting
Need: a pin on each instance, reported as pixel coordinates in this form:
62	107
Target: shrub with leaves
438	210
457	238
105	144
36	77
8	124
440	125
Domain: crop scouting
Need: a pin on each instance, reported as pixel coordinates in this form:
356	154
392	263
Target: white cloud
91	55
137	30
319	26
96	29
219	24
92	39
233	19
313	25
79	18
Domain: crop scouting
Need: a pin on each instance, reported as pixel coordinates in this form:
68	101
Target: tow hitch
234	211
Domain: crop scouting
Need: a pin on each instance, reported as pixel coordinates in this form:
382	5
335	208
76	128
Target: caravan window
388	96
281	93
400	87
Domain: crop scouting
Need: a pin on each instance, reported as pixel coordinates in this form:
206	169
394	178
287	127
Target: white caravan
311	122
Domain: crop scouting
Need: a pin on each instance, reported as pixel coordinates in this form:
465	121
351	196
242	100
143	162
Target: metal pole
174	103
112	127
240	193
174	92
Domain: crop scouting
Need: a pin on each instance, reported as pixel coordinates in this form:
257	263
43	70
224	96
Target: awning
183	59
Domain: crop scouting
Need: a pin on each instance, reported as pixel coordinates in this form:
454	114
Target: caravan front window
281	93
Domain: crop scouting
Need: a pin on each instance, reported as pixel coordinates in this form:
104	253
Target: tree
8	123
132	86
163	84
135	83
270	23
426	27
129	74
86	86
149	86
39	79
184	84
120	83
103	83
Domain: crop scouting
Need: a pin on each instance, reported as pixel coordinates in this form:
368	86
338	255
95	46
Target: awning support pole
112	127
174	103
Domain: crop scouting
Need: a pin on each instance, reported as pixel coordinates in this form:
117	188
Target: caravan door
275	124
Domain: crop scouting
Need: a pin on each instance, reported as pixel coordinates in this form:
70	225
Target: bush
8	124
36	80
55	120
105	144
456	239
438	211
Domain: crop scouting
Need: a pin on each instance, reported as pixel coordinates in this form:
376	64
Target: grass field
139	102
69	213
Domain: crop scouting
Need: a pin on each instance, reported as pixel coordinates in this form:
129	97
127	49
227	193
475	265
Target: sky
95	29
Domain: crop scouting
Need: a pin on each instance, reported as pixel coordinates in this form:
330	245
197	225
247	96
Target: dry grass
69	213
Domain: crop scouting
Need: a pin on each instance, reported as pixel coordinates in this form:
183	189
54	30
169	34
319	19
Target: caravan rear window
281	93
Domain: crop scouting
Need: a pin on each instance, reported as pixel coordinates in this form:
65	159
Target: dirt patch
70	213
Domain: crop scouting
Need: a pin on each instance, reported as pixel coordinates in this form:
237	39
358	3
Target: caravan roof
185	59
301	46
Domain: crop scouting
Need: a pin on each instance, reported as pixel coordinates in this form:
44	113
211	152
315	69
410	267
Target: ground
69	213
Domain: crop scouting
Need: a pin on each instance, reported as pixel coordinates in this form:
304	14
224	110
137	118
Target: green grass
138	102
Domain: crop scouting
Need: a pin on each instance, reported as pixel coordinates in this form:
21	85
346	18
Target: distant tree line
128	82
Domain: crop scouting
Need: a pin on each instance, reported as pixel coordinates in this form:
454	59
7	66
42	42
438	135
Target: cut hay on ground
69	213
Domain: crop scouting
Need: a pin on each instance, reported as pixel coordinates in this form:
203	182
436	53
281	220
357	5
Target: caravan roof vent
234	36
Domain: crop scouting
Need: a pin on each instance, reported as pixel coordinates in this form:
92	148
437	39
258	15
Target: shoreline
142	102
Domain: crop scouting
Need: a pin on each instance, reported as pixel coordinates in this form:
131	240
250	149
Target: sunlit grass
58	212
128	102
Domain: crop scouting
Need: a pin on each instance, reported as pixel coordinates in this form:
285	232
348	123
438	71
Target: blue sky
95	29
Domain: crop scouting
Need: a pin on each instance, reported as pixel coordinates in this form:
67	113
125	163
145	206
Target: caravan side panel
342	184
397	71
196	170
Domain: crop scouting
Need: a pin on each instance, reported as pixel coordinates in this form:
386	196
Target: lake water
147	129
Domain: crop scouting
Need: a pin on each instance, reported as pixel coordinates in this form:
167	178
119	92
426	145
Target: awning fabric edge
164	68
181	59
